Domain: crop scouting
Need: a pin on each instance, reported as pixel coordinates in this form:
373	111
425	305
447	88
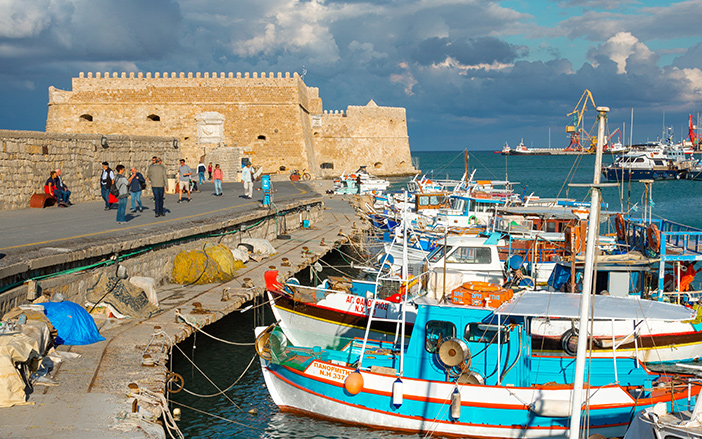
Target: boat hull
619	174
343	318
485	411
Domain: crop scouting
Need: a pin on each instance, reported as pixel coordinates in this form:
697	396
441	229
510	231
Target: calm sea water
219	416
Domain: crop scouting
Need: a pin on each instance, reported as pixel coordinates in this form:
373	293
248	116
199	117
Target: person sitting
50	188
61	192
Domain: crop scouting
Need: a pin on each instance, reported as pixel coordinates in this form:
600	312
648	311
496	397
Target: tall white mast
592	234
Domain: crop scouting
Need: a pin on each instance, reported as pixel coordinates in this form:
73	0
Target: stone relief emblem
210	127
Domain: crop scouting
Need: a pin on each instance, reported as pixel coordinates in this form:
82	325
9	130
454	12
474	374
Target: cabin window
436	332
551	227
424	201
470	255
658	162
438	254
485	333
639	160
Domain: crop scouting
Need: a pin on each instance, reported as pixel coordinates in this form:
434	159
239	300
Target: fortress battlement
183	75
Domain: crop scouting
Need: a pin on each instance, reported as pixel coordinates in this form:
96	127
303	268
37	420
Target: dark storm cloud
467	51
88	30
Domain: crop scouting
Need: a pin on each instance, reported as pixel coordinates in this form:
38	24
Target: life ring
654	237
481	286
472	220
566	340
620	226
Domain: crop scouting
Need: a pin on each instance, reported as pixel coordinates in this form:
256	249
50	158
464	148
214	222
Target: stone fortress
276	121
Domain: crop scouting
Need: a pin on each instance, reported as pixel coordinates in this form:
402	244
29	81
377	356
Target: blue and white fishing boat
466	371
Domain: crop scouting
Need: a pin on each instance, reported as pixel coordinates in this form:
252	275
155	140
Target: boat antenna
591	242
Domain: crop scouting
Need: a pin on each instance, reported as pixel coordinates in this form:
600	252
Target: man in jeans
184	172
156	174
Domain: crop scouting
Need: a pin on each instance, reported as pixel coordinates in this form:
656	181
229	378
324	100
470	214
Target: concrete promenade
91	398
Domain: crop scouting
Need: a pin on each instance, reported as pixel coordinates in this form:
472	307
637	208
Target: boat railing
677	243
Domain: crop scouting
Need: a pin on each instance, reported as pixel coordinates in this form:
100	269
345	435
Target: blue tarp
73	323
559	276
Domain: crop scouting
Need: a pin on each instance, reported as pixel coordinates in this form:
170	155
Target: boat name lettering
330	371
360	305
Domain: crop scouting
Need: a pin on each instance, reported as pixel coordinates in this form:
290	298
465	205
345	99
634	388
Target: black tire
306	176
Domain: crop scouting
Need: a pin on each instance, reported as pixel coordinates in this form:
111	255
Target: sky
471	73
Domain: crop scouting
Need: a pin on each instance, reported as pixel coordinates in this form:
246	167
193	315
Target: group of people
117	187
56	187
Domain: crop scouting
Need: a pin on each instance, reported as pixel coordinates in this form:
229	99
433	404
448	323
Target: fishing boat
466	370
359	182
683	421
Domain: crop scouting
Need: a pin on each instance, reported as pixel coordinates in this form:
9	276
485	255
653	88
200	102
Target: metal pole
592	234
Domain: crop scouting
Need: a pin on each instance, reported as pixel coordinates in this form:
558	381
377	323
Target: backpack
114	190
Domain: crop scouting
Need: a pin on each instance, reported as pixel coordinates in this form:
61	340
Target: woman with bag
137	183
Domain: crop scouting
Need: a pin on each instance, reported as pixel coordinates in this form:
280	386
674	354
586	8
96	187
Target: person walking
209	171
157	175
184	173
247	175
61	192
123	188
201	168
107	178
217	175
137	183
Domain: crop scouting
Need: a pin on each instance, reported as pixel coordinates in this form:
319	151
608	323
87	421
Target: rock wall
276	119
28	157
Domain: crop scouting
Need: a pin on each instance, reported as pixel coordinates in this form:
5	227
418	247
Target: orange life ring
620	226
481	286
654	237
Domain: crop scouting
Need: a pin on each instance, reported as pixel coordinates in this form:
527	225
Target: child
217	175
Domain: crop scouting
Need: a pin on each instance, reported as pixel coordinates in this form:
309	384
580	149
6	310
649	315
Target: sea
224	394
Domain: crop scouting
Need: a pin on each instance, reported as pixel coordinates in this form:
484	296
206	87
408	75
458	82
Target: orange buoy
620	226
654	237
481	286
354	383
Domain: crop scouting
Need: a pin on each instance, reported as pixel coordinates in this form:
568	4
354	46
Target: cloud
619	48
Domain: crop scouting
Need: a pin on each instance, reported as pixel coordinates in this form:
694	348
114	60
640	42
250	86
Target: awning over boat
567	305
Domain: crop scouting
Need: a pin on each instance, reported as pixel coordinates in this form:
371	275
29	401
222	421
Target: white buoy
455	404
397	393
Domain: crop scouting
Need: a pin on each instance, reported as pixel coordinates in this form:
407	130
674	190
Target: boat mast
592	234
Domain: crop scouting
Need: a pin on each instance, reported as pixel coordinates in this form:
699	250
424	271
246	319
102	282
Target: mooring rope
208	378
194	326
228	388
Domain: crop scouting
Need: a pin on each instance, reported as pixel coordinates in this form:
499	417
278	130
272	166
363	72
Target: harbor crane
575	130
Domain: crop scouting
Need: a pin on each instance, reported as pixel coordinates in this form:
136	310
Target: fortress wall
370	136
275	119
28	157
261	112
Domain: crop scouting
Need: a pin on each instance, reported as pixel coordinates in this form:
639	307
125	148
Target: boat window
470	255
434	200
438	253
423	200
436	332
658	162
639	160
485	333
551	226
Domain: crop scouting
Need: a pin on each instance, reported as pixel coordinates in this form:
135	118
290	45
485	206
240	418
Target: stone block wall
28	157
275	118
371	136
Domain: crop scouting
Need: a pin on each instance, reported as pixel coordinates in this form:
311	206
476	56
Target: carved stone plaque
210	127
